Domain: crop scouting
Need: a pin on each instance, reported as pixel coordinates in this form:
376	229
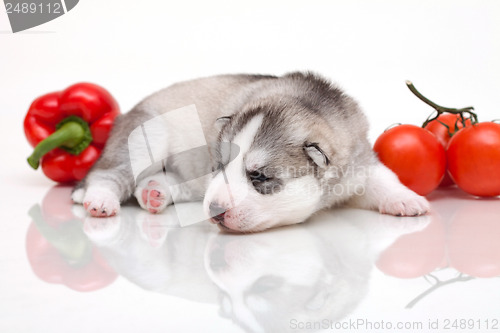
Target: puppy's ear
220	122
316	154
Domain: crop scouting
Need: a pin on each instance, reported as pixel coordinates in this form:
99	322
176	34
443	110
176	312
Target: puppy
280	148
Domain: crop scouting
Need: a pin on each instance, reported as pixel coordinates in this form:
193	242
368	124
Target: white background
449	49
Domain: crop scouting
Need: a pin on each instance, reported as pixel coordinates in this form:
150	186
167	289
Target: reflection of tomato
415	156
474	159
468	241
416	254
442	133
474	239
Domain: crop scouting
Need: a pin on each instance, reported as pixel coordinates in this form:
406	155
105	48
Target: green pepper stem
72	134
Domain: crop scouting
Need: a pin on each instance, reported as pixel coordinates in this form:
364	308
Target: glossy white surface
64	272
61	272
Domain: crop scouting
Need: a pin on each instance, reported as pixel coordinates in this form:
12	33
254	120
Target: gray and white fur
302	147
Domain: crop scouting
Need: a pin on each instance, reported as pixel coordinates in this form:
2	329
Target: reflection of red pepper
68	130
58	250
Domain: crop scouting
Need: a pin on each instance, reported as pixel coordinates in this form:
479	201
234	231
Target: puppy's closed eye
258	177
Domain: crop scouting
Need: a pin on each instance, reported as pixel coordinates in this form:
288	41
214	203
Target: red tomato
474	159
414	155
443	135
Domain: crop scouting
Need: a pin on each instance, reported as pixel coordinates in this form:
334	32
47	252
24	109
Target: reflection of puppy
263	280
271	279
154	252
301	147
266	283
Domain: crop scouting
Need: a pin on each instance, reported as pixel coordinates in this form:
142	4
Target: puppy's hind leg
153	194
384	192
110	181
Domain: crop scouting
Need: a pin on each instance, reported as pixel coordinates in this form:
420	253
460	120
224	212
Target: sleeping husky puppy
283	149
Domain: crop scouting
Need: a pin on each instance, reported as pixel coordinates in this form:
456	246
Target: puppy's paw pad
102	211
101	203
153	198
405	204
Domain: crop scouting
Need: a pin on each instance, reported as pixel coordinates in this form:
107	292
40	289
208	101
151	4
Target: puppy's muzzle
217	213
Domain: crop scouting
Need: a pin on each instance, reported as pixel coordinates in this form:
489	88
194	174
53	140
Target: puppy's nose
217	212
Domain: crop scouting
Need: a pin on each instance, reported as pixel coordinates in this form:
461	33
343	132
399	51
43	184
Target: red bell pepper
69	129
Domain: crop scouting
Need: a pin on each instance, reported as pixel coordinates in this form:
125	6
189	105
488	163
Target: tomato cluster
451	147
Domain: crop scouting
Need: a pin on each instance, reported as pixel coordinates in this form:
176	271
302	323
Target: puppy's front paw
101	202
404	203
